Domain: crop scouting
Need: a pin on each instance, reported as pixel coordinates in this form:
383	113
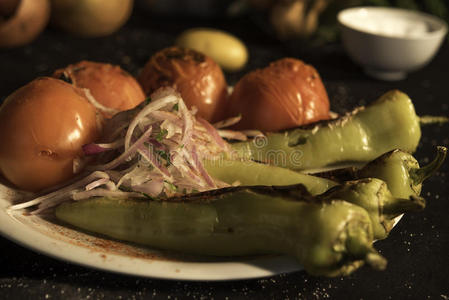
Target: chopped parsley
160	136
165	155
125	188
171	185
148	196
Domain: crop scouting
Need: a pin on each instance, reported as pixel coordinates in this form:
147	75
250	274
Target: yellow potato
227	50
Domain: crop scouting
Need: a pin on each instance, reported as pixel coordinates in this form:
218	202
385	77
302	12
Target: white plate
49	238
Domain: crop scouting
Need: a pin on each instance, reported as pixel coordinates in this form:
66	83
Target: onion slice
155	150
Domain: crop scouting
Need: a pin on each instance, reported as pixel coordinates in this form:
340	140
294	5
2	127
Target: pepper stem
402	205
418	175
427	120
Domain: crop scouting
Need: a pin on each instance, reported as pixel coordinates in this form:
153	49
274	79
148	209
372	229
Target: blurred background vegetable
90	18
21	21
224	48
328	29
316	19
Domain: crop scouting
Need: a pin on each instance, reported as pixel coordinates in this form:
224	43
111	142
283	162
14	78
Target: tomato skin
110	85
43	126
198	79
286	94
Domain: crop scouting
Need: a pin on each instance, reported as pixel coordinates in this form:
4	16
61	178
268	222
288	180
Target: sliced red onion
161	115
188	124
153	188
54	201
103	181
156	144
253	133
55	196
213	132
227	122
100	192
126	154
98	105
151	158
92	149
232	135
188	142
200	167
161	99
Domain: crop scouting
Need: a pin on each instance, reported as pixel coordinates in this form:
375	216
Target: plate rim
252	268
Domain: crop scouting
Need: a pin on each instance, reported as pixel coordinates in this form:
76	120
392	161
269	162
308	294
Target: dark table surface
417	249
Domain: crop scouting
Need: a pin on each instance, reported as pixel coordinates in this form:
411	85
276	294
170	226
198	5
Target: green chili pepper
387	124
252	173
329	237
373	195
395	167
399	169
402	172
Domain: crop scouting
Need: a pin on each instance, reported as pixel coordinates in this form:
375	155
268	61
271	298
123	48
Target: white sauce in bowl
388	22
397	27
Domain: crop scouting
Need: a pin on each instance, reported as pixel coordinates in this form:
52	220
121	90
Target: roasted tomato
43	126
109	85
286	94
198	79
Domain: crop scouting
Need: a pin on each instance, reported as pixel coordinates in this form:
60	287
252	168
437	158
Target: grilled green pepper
254	173
373	195
399	169
387	124
329	237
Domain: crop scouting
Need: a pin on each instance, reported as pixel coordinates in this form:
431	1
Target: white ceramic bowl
390	42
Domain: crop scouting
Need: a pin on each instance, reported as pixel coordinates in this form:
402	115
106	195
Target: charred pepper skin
373	195
399	169
328	238
389	181
396	178
384	199
386	124
402	172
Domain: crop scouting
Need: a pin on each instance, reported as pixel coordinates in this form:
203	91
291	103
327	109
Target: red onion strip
99	192
56	194
231	134
170	99
148	155
199	166
213	132
126	154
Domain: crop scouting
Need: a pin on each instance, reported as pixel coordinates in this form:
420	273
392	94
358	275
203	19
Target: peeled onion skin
27	22
286	94
110	85
42	128
198	79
